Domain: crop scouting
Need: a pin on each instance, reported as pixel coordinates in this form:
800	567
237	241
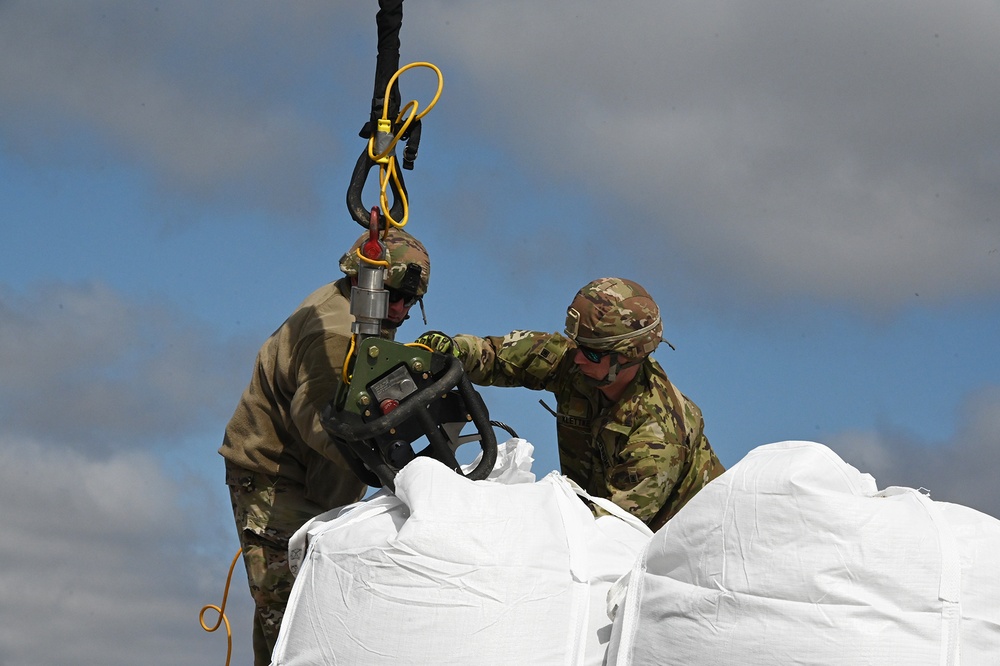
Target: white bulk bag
453	571
795	557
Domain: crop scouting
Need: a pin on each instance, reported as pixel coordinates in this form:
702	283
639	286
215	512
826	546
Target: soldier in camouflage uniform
281	467
624	431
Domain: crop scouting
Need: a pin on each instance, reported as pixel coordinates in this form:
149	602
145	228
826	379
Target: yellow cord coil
388	167
221	610
347	360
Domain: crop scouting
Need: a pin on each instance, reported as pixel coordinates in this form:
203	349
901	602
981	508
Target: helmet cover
409	266
615	314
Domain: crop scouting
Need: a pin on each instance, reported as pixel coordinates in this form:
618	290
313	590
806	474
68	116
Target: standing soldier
624	431
281	467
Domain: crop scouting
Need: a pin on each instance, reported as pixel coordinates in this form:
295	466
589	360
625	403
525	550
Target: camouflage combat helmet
409	266
614	314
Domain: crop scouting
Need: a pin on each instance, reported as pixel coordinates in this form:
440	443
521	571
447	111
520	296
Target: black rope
388	19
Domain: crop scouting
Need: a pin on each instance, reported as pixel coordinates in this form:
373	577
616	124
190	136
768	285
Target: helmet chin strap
608	379
613	367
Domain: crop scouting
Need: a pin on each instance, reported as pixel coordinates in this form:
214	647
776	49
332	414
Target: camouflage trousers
268	511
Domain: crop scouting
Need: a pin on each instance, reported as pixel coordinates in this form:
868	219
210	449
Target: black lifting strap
388	19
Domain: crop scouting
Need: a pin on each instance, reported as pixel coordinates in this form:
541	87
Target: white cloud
840	151
107	563
846	151
961	470
208	97
85	365
104	549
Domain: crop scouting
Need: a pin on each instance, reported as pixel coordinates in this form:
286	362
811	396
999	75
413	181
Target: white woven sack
453	571
794	557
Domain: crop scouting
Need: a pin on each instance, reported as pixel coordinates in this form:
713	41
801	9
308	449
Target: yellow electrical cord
221	610
374	262
388	168
347	360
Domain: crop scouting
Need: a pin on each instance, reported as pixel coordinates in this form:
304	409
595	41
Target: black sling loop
388	19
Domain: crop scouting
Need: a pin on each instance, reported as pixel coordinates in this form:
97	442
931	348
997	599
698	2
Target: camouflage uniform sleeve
521	358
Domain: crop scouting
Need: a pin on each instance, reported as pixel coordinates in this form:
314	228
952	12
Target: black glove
439	342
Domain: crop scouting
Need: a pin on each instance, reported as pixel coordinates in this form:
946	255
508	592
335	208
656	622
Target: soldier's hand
439	342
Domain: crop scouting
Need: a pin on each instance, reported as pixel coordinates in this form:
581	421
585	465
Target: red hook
372	248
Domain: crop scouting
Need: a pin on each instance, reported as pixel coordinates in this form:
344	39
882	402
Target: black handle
356	439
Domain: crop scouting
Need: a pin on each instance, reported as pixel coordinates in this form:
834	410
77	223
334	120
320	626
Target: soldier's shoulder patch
553	348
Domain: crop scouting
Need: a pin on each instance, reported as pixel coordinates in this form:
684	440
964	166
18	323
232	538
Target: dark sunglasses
593	355
397	295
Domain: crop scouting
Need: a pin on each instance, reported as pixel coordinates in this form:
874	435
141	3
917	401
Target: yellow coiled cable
388	167
221	610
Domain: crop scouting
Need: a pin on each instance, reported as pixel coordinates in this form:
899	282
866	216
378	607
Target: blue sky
811	191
